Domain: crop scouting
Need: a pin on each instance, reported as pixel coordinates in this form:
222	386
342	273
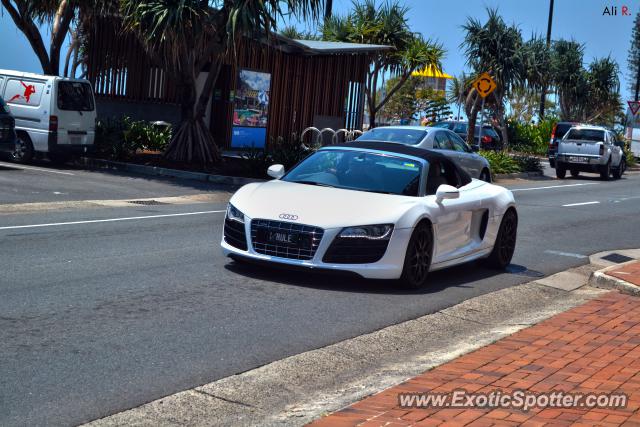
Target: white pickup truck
590	149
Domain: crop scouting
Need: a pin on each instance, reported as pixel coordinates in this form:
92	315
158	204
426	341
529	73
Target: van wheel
24	149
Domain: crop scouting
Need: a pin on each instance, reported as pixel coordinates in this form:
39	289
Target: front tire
417	260
485	176
24	150
505	244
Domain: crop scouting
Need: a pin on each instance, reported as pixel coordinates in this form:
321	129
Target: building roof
431	71
319	47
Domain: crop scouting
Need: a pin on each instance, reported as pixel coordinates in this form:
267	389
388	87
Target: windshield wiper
319	184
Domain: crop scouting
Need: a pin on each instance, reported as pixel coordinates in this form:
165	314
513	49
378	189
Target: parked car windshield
75	96
585	134
359	170
404	136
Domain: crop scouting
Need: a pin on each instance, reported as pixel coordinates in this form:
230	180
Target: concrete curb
600	279
166	172
517	175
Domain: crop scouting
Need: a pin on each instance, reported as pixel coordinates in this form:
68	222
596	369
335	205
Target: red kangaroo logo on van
28	91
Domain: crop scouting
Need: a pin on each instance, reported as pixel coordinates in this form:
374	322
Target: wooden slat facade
303	86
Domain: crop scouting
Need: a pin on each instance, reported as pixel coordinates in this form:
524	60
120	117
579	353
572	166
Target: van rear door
76	112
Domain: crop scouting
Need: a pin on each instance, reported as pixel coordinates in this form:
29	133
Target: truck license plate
578	159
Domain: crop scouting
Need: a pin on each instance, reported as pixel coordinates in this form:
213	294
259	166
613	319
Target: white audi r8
380	210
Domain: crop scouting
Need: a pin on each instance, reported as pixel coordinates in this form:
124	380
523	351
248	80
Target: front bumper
388	267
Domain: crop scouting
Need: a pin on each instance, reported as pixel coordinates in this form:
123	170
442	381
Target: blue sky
581	20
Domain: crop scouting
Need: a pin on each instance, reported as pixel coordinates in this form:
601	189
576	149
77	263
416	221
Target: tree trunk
372	119
473	117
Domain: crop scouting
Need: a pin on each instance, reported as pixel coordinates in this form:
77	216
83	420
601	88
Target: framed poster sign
250	109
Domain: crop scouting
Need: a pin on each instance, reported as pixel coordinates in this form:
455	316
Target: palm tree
186	35
384	24
496	48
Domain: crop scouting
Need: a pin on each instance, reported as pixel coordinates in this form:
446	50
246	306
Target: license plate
283	238
579	159
74	139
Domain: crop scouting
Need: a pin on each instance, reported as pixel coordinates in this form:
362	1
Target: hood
324	207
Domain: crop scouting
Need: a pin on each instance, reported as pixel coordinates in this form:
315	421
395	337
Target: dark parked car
558	132
7	130
490	139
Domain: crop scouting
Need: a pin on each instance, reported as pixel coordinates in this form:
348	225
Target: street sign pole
481	123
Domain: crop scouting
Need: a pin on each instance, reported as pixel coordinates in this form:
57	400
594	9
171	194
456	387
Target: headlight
371	232
234	214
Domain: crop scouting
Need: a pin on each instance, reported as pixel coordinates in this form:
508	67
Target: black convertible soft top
396	148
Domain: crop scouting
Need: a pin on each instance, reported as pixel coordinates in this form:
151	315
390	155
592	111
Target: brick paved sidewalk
591	348
629	273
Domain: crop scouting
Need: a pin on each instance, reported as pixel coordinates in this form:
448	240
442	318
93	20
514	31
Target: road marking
15	166
569	254
94	221
554	186
581	204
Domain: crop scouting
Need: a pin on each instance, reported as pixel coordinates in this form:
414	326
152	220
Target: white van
54	115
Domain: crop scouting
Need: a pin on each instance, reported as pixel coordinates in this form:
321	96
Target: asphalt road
97	317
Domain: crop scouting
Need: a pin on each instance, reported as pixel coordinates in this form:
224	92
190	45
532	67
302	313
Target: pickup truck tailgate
579	147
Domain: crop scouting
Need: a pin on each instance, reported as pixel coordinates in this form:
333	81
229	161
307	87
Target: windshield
359	170
585	134
75	96
404	136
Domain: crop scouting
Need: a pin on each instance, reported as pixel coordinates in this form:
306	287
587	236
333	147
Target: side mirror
276	171
446	192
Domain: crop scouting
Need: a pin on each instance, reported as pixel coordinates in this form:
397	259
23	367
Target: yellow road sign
484	85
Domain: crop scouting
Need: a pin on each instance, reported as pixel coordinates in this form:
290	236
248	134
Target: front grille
355	251
309	239
234	234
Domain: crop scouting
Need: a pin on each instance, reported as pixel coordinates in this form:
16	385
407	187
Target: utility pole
543	97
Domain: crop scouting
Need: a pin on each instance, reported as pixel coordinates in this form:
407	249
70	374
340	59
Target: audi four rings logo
288	216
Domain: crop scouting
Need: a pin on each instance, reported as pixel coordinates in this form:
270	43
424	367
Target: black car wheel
575	173
617	172
505	244
24	150
605	171
561	171
417	261
485	176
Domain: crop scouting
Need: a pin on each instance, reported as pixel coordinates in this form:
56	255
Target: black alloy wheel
505	244
418	258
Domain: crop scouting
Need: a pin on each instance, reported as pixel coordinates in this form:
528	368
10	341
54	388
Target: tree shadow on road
462	276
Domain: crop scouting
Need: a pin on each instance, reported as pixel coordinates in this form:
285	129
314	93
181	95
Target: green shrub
119	138
501	162
631	159
531	138
528	163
